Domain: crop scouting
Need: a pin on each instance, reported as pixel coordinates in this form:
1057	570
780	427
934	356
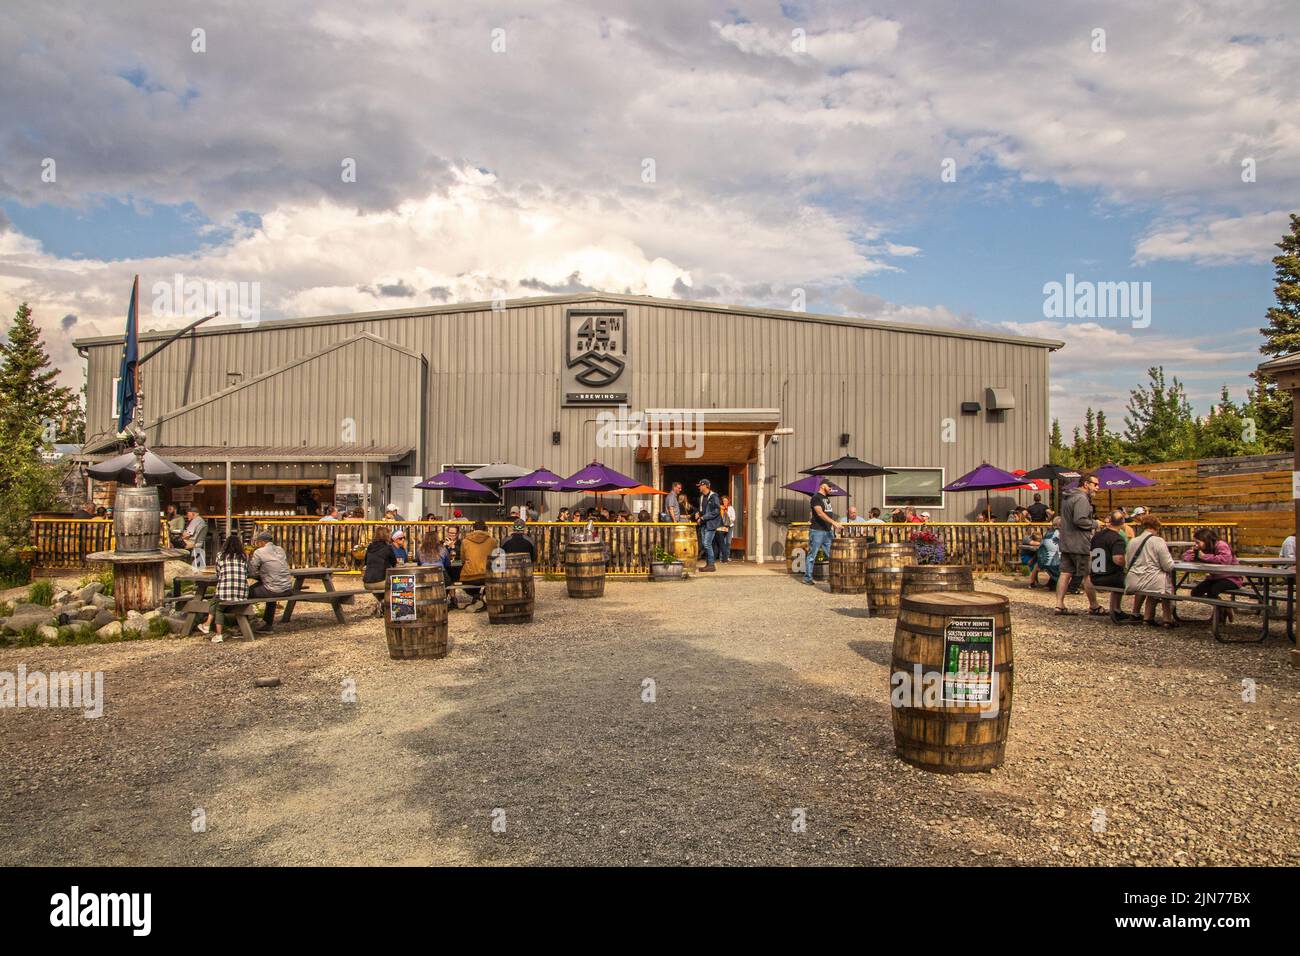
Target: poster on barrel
401	598
968	660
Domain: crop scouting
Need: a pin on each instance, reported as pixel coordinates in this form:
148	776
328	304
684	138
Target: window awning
274	453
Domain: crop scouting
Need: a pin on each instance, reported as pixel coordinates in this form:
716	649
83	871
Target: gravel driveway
768	741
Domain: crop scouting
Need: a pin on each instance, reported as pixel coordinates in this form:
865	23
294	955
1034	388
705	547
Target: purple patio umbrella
808	486
453	480
596	478
1112	476
539	480
986	478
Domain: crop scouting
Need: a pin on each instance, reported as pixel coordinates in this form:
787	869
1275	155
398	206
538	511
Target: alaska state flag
126	381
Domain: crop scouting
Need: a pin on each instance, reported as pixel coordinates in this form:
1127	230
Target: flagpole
139	395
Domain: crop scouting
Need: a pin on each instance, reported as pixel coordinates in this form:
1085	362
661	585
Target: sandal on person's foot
1097	611
1065	612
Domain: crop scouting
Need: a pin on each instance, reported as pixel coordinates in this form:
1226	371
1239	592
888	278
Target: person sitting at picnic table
874	517
1107	563
398	541
195	536
518	541
1029	553
270	566
391	513
1209	548
1149	567
562	515
232	583
1048	558
476	551
530	512
331	514
854	517
643	516
428	551
379	558
175	525
1288	548
1037	511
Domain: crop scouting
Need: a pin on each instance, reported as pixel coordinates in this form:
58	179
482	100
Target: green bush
104	577
14	572
6	608
158	628
42	592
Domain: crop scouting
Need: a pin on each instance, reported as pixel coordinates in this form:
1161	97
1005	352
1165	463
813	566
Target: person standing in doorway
1077	528
821	528
722	540
709	519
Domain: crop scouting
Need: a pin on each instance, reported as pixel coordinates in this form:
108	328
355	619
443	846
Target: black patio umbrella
1055	474
157	471
847	466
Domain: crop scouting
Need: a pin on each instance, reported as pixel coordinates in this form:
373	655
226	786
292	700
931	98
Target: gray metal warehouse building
276	412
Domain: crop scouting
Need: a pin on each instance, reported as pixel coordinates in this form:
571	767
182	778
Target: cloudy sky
922	162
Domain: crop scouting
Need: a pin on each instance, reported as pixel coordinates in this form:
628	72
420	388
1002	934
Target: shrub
42	592
6	608
158	628
105	578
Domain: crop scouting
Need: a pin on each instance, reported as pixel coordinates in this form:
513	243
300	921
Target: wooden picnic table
1258	578
1274	562
204	581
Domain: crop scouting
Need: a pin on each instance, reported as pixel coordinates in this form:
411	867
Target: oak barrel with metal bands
949	737
890	554
796	542
426	636
136	522
920	578
509	589
685	545
584	569
848	569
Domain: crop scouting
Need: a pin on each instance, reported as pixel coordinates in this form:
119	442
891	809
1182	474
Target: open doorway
688	475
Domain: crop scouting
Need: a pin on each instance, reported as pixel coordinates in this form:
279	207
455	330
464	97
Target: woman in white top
1149	567
722	539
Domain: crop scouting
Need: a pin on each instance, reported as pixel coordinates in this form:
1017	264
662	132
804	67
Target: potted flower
929	548
664	566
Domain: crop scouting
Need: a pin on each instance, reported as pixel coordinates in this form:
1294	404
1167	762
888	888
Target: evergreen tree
29	393
1270	406
1160	425
1058	453
1226	433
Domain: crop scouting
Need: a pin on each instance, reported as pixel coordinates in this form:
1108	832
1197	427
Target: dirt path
770	698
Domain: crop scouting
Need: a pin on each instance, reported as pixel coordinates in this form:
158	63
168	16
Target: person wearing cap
708	518
821	528
518	541
399	547
390	513
270	566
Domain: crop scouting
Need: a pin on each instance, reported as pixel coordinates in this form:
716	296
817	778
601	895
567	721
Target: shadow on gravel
861	612
878	652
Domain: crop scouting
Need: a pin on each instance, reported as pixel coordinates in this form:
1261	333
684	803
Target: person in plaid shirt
232	580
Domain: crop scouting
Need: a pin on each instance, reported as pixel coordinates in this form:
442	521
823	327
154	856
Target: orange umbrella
639	490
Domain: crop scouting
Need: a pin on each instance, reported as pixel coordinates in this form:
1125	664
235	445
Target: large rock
48	633
86	613
89	591
175	624
19	621
135	620
102	618
102	601
25	607
113	629
61	596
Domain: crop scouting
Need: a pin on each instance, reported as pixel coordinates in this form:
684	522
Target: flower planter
667	572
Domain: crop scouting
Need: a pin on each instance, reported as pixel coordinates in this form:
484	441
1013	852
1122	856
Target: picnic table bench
1256	598
198	604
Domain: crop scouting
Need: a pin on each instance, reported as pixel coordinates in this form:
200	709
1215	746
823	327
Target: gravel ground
1128	745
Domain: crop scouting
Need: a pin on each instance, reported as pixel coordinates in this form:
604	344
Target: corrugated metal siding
494	390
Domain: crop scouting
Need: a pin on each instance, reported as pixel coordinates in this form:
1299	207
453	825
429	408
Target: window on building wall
922	487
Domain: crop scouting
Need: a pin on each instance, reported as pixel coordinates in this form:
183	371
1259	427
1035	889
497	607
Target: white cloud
1250	238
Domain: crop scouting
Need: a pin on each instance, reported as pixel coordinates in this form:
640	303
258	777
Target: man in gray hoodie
1077	528
270	565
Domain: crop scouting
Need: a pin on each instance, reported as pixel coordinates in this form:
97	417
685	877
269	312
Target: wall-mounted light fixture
555	438
970	408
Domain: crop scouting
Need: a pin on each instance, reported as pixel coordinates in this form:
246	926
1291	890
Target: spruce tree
1269	405
1159	425
29	393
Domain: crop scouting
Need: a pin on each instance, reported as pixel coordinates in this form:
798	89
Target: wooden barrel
884	587
847	573
796	543
136	520
921	578
685	545
890	554
425	635
509	589
584	569
945	638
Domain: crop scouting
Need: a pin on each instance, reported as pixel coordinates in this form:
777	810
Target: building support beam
230	497
655	475
759	516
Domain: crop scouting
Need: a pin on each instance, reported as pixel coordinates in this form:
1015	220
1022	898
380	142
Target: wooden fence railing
991	546
63	543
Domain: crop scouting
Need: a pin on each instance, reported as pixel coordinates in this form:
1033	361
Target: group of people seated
241	576
1131	556
464	558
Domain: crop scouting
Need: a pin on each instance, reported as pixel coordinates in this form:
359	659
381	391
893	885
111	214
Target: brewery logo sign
596	359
